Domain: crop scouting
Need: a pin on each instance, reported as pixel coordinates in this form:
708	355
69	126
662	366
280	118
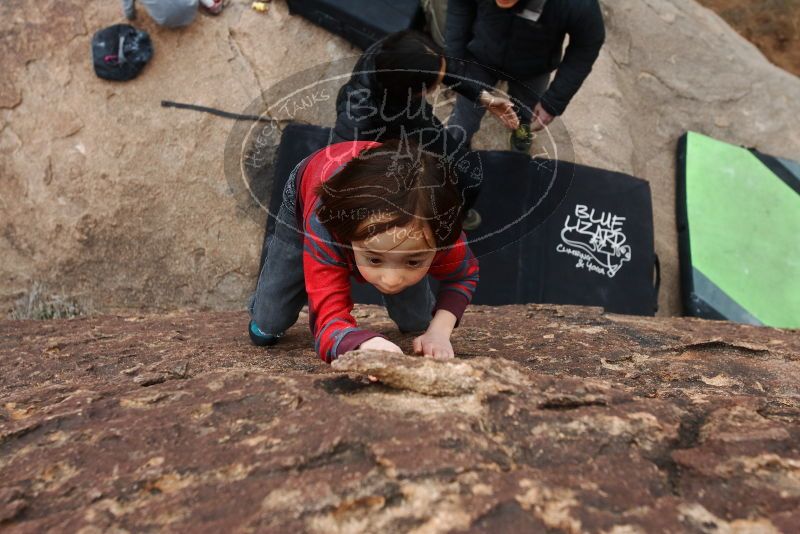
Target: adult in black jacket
385	98
522	41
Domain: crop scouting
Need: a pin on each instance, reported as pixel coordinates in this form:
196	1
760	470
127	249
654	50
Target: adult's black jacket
480	31
363	113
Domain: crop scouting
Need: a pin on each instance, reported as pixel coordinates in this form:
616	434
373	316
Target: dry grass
40	304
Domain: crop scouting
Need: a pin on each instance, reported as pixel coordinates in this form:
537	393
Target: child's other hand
434	345
378	343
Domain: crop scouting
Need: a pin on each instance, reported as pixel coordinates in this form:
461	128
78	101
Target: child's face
396	259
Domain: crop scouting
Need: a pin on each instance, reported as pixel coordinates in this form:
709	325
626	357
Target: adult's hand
541	118
502	108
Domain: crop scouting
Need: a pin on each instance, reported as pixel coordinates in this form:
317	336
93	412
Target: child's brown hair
396	184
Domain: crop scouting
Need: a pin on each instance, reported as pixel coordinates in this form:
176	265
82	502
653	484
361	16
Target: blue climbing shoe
259	338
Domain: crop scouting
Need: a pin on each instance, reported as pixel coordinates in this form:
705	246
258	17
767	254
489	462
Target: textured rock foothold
150	379
423	375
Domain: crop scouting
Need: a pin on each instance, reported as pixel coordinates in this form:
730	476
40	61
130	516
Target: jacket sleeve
586	36
457	78
357	113
327	277
358	102
458	29
457	273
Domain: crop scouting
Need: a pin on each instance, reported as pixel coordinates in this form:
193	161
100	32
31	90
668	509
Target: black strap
121	50
657	285
217	112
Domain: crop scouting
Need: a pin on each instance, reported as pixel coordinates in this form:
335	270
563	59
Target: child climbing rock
388	214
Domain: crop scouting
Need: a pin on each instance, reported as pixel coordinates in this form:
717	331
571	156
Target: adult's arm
461	16
358	102
458	30
586	36
457	77
357	115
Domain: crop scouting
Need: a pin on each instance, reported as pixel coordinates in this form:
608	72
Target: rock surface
769	24
109	198
556	419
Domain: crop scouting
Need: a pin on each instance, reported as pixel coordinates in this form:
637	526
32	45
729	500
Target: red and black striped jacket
328	267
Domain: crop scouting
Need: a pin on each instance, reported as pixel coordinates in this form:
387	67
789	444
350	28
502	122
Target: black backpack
120	52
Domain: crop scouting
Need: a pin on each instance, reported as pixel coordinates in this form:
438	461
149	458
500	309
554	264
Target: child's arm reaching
457	272
435	341
327	276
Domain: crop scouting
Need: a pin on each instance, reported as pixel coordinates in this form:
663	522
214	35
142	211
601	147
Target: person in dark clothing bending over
385	98
521	41
386	92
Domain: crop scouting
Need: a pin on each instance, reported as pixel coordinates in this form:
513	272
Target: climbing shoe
259	338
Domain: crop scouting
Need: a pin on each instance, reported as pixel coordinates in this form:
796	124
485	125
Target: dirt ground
772	25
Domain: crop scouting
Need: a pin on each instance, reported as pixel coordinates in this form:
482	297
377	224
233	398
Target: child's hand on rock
434	344
379	343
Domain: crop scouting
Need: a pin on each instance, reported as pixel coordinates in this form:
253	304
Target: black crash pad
362	22
584	237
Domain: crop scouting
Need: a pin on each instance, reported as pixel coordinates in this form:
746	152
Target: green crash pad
739	231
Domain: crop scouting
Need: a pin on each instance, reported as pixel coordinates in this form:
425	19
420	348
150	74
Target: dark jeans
466	117
281	292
